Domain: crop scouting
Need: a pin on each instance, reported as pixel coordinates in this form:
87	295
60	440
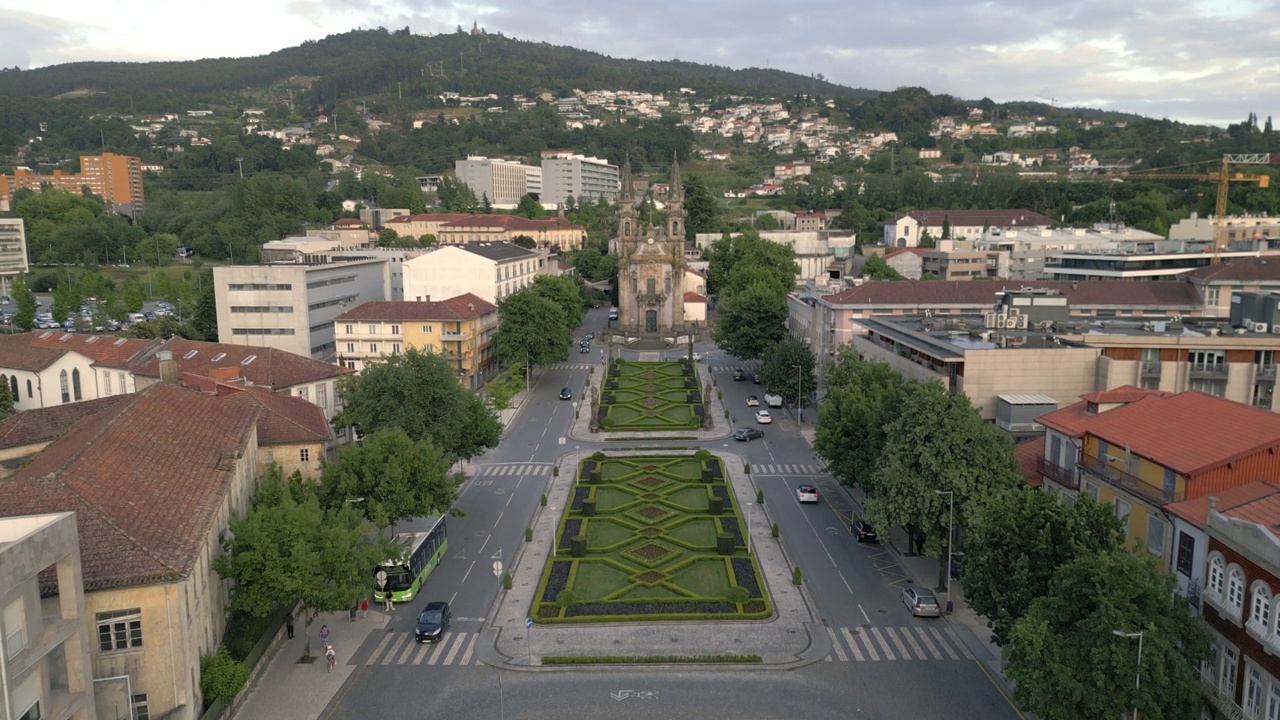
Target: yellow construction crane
1222	177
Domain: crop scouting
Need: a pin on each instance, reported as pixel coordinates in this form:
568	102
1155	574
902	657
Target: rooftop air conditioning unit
1020	322
1275	329
989	320
1260	327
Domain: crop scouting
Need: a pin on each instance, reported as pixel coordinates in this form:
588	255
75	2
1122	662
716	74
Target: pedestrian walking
288	625
331	656
388	602
364	608
324	634
353	610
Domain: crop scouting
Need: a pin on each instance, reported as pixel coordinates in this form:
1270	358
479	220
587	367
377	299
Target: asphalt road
856	589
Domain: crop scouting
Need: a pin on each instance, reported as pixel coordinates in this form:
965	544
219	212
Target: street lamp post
799	399
951	536
1137	682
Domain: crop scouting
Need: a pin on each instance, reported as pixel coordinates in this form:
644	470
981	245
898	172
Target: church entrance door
651	321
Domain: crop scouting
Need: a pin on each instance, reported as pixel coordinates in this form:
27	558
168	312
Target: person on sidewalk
355	607
288	625
324	635
364	608
389	603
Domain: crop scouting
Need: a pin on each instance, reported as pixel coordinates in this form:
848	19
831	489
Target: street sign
528	623
497	568
382	579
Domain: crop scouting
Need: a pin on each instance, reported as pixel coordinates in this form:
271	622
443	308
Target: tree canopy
751	321
787	369
533	330
861	399
390	478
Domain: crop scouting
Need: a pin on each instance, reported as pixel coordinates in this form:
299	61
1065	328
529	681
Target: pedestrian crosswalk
724	368
787	469
569	366
883	644
513	469
455	648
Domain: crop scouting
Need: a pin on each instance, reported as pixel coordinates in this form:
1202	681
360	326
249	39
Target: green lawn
659	538
650	396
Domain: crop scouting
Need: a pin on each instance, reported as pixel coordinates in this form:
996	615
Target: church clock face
650	241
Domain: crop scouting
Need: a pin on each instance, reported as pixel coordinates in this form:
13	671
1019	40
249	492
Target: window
1235	590
1186	553
1170	482
15	638
1230	663
259	286
322	396
1123	511
75	383
1273	703
1155	534
13	387
32	713
1091	490
66	391
426	328
1253	691
31	394
304	455
348	329
373	348
351	347
1211	297
140	709
395	329
119	630
302	393
373	329
1260	610
1217	576
106	384
395	348
123	388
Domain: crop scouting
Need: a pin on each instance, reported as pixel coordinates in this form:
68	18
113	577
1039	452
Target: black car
566	393
433	622
863	531
755	378
590	336
745	434
739	374
583	349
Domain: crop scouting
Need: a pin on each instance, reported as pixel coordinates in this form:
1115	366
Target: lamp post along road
1137	681
951	537
799	389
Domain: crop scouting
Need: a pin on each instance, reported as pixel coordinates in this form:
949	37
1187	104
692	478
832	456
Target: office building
13	250
587	179
292	307
503	182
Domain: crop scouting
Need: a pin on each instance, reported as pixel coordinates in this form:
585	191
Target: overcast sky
1192	60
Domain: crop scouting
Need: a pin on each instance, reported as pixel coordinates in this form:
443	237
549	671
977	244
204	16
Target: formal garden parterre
651	537
647	396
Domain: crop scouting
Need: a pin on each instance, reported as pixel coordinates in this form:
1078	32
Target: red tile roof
46	424
427	217
103	350
284	420
461	307
146	477
917	251
349	223
1264	511
1196	510
1253	269
1168	294
1121	395
511	222
273	368
970	218
17	353
693	297
1026	454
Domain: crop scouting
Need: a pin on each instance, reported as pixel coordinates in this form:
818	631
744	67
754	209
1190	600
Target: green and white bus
423	551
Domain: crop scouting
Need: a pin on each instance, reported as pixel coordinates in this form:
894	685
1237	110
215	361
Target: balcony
1220	699
1208	369
454	336
1055	472
1151	369
1266	373
1104	470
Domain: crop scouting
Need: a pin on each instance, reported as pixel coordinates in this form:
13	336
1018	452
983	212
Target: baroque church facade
651	267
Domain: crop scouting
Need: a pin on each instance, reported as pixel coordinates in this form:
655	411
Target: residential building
326	249
117	179
907	229
586	179
1220	284
1191	539
502	182
1030	250
46	672
26	433
907	262
460	329
376	218
1236	228
555	234
950	262
1142	450
422	224
151	597
1241	582
1133	264
13	251
45	368
490	271
807	220
292	307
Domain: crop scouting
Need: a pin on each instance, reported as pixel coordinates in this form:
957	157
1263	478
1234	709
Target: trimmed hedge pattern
644	396
648	659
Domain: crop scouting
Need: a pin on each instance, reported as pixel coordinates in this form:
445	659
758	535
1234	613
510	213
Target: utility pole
240	162
461	65
399	93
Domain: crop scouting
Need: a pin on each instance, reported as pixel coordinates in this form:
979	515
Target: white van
613	313
774	401
136	318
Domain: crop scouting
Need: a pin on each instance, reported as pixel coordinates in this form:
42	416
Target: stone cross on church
650	262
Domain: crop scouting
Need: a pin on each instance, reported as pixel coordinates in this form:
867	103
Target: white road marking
853	645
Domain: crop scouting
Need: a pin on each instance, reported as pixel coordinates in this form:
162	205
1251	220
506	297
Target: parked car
772	400
745	434
806	494
763	417
862	530
921	603
739	374
753	401
433	622
613	313
566	393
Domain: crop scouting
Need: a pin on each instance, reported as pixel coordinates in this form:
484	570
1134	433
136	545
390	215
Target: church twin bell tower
650	262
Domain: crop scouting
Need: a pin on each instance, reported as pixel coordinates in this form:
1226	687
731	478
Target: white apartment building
292	307
13	250
504	182
488	270
323	249
585	178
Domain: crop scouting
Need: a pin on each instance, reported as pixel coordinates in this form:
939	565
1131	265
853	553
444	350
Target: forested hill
372	62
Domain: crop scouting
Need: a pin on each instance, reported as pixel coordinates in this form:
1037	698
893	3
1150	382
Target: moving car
613	313
746	433
433	622
590	336
921	603
755	378
807	494
566	393
753	401
583	349
739	374
863	531
763	417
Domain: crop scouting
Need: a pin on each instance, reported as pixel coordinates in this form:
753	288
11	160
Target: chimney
168	367
1213	502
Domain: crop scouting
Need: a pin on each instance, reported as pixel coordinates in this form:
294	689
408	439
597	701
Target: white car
807	494
753	401
762	417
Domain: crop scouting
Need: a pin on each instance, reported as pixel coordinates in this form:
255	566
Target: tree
395	477
1017	539
525	242
288	549
530	208
861	398
419	393
156	250
24	316
765	222
456	196
486	207
702	211
203	321
780	374
388	237
500	390
532	330
1066	662
877	269
936	441
735	262
65	299
751	321
134	297
6	401
565	292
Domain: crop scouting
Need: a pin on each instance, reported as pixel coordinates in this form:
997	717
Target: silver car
921	603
